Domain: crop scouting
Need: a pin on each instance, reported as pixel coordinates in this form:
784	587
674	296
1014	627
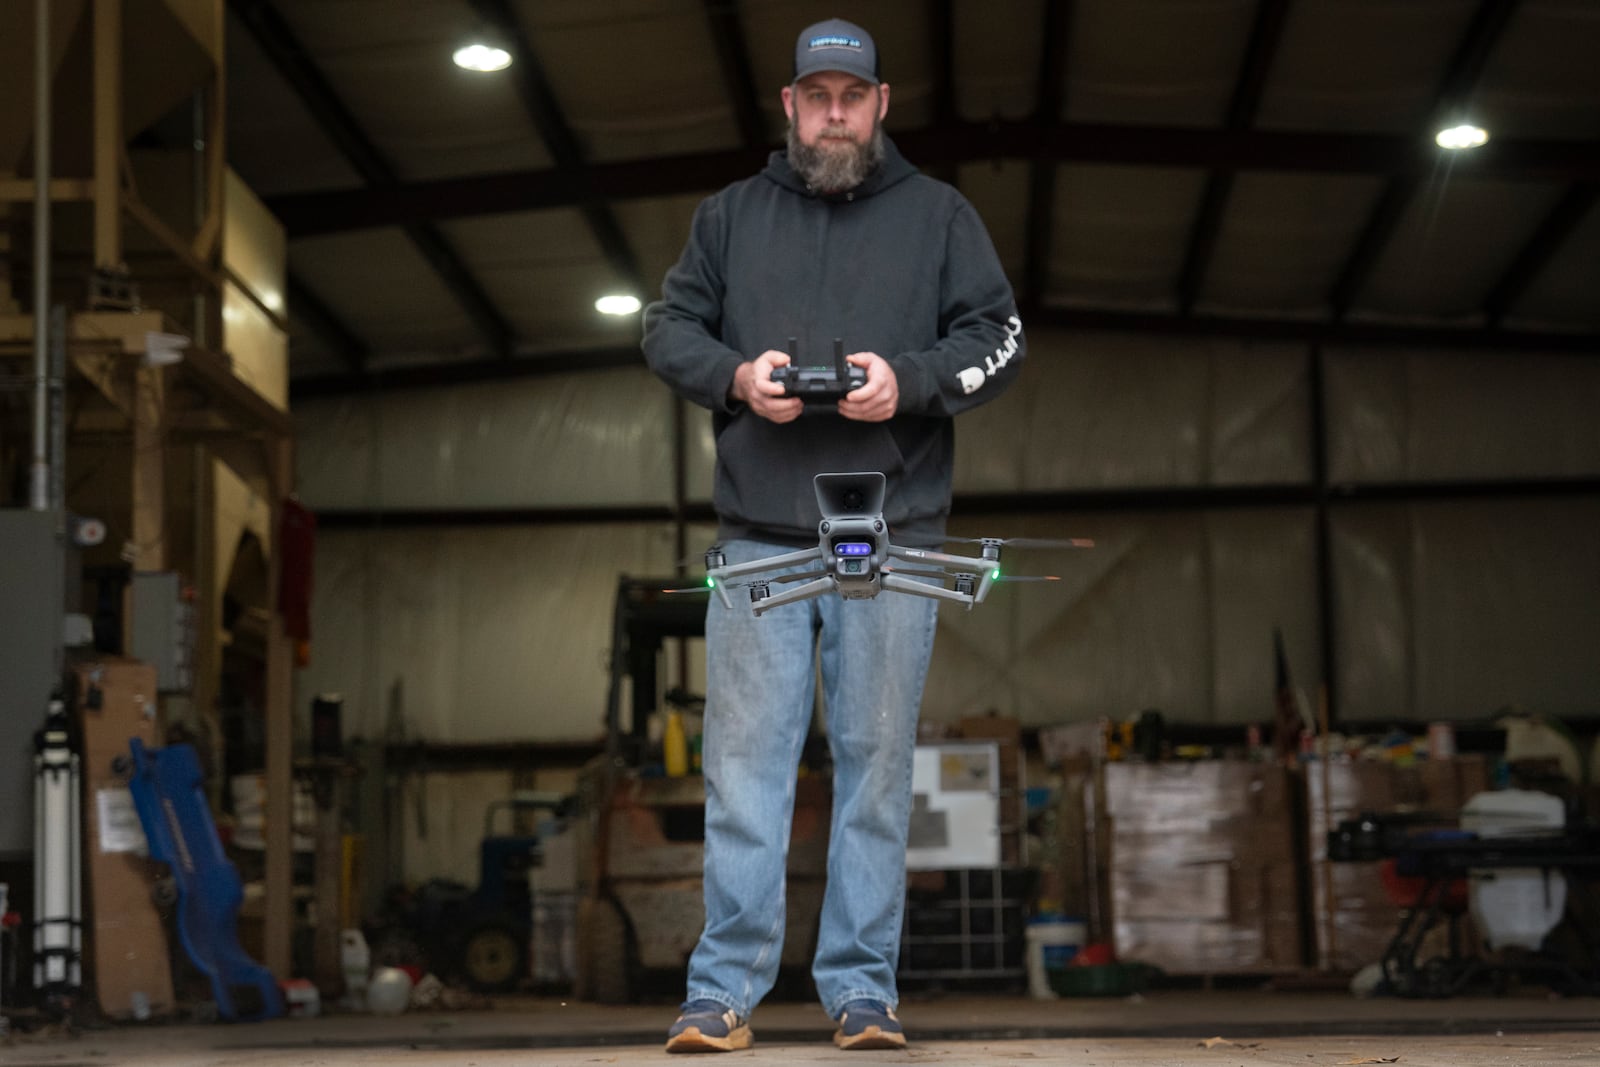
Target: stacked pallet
1202	866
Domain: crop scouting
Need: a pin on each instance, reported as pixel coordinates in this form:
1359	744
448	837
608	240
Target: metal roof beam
294	65
533	88
941	28
1262	48
1460	79
432	375
738	79
338	210
1546	241
1055	40
305	306
581	360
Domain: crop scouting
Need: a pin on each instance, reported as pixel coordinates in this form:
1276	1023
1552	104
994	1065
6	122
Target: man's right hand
753	385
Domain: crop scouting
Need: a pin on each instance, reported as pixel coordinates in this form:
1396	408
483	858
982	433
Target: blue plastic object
180	831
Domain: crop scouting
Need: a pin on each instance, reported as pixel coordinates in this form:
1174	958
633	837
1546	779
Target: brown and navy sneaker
707	1026
866	1024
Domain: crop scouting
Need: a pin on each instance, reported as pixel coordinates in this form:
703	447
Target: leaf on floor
1371	1059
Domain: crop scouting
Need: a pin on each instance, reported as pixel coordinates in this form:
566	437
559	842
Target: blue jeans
760	686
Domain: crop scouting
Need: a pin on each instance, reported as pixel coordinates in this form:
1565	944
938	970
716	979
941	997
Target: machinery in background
479	935
642	833
1506	864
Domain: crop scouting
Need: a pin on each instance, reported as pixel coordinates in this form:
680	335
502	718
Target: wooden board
128	966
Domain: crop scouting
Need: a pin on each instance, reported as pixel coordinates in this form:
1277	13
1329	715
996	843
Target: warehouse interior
338	516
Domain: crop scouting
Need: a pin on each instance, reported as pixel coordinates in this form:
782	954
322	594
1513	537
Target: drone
855	559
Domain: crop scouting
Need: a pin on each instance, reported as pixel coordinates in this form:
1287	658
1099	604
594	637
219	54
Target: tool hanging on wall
58	903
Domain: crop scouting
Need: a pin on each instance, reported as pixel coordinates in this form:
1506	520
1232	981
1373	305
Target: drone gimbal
855	559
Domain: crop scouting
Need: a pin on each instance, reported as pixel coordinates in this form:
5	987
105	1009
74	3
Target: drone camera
850	496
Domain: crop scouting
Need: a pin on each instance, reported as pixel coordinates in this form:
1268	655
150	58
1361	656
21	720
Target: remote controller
820	385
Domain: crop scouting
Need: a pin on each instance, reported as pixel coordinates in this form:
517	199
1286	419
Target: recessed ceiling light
482	57
1462	136
617	304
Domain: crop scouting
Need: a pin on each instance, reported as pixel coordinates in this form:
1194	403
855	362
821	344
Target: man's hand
753	385
879	398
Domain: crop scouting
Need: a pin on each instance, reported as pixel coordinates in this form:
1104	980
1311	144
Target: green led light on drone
711	583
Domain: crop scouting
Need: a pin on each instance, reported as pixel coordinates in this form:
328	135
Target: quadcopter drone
855	559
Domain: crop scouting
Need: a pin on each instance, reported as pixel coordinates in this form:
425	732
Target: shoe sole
692	1040
871	1038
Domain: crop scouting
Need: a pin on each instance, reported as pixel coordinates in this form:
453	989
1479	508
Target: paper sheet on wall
118	821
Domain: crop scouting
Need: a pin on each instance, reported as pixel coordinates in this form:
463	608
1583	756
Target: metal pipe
39	495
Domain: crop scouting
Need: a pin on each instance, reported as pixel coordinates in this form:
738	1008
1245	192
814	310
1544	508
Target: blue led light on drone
853	548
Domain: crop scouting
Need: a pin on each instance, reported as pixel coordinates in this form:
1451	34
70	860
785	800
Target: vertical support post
279	881
107	133
149	469
328	971
207	603
39	474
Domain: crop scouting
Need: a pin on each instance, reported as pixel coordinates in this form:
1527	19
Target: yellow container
675	746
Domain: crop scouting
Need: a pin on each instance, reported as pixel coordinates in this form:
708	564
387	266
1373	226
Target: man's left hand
879	398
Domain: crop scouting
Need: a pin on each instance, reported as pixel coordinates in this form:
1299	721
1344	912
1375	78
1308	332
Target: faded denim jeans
760	686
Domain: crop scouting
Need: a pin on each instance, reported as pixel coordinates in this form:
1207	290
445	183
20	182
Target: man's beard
842	164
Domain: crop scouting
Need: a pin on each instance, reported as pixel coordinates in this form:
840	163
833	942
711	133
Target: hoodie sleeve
980	347
682	330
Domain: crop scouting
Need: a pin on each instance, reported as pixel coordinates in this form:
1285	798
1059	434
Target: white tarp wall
1445	605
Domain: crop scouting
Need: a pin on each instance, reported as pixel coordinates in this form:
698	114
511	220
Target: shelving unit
967	889
965	923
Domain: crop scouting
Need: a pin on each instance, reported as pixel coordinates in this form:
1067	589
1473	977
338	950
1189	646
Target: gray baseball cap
835	44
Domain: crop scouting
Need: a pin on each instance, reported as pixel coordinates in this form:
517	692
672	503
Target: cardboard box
1203	872
126	950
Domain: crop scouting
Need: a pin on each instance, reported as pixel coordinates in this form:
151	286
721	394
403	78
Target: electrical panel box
161	628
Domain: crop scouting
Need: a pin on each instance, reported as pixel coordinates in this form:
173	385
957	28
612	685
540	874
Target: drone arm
985	584
925	555
789	596
718	576
755	566
895	583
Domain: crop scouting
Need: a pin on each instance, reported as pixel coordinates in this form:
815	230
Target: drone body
855	558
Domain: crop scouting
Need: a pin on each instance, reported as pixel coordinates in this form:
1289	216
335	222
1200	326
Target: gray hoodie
901	266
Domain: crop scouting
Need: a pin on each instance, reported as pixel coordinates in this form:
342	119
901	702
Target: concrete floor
1224	1029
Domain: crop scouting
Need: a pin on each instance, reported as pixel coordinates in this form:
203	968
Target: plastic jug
675	746
355	960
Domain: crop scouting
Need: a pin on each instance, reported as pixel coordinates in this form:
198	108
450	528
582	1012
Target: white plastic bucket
1051	945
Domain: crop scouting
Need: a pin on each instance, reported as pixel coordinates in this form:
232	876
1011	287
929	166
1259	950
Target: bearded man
838	237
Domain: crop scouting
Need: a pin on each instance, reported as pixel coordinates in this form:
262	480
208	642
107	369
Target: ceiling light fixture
617	304
481	57
1460	137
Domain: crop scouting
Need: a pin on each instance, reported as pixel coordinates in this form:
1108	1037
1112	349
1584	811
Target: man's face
833	122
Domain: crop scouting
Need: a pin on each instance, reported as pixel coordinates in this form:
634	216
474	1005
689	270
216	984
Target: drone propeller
1028	578
701	588
1026	542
